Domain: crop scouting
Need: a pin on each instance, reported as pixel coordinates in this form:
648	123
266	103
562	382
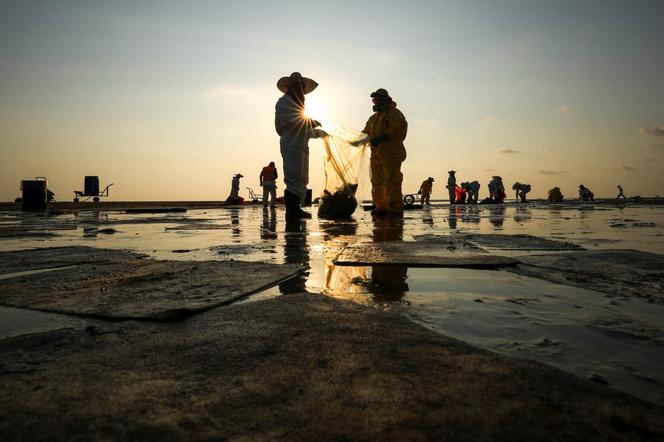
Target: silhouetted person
268	181
620	192
425	190
585	194
496	189
295	130
451	184
521	191
555	196
234	197
473	191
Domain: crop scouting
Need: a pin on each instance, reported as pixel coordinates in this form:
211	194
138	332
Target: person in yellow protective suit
386	129
425	190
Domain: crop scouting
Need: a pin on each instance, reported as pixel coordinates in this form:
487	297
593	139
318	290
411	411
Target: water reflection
497	216
269	224
388	283
470	214
235	221
296	251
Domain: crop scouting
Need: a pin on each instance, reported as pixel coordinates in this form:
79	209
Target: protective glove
375	141
315	123
360	141
321	133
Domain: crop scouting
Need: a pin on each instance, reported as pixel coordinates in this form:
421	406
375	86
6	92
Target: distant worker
585	194
555	196
268	181
473	191
425	190
451	185
386	130
295	130
620	192
496	189
234	197
521	191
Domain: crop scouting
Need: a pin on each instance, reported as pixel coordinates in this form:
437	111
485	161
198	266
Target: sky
169	99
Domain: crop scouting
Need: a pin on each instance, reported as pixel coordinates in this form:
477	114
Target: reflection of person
269	225
235	221
555	195
388	283
620	192
386	130
268	181
452	217
295	130
497	217
425	190
451	185
521	191
296	251
473	191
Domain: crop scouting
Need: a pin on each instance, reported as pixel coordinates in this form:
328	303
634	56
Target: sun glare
314	108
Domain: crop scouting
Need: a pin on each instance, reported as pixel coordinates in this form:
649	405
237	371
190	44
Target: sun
314	108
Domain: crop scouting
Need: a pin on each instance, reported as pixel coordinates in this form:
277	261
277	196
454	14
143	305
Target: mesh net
344	166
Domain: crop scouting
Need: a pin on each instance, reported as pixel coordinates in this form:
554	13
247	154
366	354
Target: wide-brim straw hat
451	171
284	83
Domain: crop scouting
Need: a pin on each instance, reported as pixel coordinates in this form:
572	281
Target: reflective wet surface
609	339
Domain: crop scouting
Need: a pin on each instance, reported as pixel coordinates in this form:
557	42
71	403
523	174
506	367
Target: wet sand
604	337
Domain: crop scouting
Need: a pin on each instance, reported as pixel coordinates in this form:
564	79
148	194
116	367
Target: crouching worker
555	195
521	191
234	197
585	194
425	190
295	130
473	191
496	189
386	129
268	181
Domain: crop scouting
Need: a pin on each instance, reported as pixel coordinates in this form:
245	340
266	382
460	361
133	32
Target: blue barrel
91	186
34	195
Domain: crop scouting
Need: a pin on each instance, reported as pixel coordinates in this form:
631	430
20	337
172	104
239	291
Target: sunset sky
168	99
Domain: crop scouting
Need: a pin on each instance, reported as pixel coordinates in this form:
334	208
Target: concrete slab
141	288
616	272
417	254
52	257
518	242
298	367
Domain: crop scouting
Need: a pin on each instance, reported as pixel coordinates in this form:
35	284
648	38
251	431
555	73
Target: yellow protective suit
386	158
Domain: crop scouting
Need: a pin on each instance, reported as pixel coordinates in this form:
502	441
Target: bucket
91	186
34	195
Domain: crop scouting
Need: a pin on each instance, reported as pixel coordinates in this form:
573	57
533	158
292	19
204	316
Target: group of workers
385	132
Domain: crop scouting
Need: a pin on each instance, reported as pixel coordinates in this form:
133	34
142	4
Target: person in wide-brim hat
308	85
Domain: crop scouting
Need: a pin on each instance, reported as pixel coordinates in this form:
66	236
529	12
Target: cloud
653	131
508	151
552	172
649	160
565	109
624	169
657	146
489	170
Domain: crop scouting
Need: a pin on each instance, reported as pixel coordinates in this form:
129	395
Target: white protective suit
295	130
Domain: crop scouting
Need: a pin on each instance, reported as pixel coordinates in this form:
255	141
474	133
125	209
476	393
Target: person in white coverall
295	130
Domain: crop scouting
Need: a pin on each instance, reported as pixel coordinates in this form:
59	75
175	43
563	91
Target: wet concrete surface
297	367
598	336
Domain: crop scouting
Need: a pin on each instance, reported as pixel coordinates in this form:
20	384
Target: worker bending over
473	191
425	190
521	191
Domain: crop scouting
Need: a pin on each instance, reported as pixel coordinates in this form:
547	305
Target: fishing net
344	166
